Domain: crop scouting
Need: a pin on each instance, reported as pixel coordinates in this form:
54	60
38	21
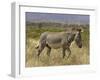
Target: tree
40	25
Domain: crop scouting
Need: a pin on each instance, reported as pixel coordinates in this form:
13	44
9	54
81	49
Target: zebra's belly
54	41
55	45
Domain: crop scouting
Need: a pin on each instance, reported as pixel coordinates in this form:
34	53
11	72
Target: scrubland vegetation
79	56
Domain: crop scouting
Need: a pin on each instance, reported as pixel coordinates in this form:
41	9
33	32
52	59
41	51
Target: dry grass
78	56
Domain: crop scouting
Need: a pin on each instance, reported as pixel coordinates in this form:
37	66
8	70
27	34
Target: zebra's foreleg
69	51
63	51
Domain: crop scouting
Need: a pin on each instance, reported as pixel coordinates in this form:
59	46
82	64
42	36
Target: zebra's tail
37	47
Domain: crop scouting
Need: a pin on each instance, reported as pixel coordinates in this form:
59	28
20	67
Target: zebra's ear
80	30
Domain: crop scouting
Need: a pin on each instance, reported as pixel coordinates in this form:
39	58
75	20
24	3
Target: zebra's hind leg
42	45
48	50
39	51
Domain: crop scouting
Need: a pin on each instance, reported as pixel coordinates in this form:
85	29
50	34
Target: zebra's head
78	38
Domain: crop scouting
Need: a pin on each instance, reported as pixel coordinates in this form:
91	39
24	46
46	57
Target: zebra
55	40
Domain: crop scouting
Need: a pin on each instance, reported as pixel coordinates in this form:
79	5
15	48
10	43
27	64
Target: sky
55	17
